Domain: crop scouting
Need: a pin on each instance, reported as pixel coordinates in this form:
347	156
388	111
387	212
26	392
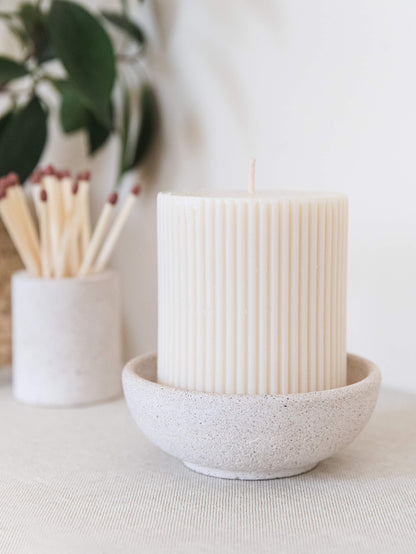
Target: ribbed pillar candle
252	291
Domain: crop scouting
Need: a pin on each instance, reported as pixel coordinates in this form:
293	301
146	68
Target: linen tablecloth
87	481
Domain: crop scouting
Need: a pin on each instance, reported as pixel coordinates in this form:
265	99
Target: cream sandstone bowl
250	437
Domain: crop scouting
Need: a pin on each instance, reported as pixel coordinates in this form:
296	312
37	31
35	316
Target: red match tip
136	190
49	170
36	176
12	178
61	174
84	176
75	187
43	195
10	181
4	184
2	193
112	199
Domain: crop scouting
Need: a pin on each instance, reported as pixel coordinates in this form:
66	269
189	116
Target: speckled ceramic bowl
250	436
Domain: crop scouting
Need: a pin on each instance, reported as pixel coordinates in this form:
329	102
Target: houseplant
83	56
93	65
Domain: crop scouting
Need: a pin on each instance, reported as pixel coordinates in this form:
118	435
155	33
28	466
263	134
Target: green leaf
85	50
97	133
73	113
34	22
4	120
127	25
29	15
10	69
149	124
73	100
22	139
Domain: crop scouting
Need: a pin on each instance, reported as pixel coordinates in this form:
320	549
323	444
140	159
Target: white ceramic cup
66	339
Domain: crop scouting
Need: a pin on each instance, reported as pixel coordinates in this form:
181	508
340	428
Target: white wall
324	94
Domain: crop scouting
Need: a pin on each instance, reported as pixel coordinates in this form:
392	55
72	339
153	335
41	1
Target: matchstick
115	231
74	247
36	182
98	235
66	184
37	187
13	226
69	235
51	184
65	247
22	212
60	199
83	179
44	234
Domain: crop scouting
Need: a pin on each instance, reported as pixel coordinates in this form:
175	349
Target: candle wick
252	176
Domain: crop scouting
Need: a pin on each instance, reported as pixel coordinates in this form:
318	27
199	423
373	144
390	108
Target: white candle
252	291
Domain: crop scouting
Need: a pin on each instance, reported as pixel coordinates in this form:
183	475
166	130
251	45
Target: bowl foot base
247	476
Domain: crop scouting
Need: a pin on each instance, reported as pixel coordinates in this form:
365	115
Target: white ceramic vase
66	339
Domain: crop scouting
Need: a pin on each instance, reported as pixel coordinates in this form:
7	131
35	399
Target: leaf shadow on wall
206	62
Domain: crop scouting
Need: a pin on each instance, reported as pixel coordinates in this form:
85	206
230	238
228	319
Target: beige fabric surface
9	263
87	481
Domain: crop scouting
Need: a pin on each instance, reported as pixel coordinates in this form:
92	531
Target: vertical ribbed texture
252	292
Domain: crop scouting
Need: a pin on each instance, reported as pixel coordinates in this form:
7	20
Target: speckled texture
66	339
250	436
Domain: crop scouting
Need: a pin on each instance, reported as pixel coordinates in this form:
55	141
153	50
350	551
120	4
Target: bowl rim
372	377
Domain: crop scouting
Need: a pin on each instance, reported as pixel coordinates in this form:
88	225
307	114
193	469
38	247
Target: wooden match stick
115	231
60	199
98	235
37	187
64	223
69	235
83	179
51	184
66	184
11	223
65	187
74	253
44	234
24	217
70	204
36	181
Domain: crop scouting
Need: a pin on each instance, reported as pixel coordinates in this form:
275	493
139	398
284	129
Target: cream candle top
270	195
